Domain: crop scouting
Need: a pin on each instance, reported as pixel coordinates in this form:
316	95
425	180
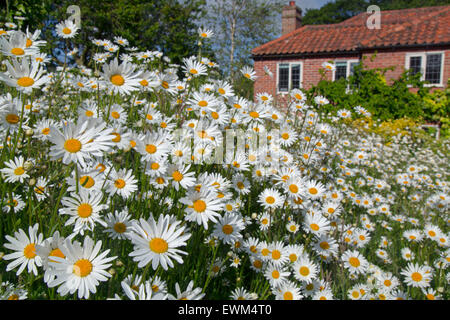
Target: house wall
311	66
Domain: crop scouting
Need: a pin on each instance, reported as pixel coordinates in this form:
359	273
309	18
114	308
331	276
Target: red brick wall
311	66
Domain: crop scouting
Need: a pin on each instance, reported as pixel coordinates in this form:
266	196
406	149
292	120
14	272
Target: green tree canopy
340	10
168	26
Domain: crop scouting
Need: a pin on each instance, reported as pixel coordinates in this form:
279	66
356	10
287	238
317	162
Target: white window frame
349	62
423	55
290	80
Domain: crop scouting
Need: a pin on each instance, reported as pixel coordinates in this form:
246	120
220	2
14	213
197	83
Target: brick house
417	39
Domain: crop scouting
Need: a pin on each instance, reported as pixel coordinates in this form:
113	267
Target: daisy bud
29	132
238	279
32	182
230	253
19	145
112	271
440	289
1	255
254	295
254	215
27	165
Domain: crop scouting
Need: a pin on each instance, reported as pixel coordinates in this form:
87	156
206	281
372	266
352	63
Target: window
289	76
429	64
344	69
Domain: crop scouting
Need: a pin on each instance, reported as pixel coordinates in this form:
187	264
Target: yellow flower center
416	276
66	30
72	145
203	103
270	200
56	253
288	296
82	267
25	82
115	115
87	182
119	183
354	262
276	254
293	188
275	274
177	176
12	118
120	227
29	251
117	80
254	114
313	190
150	148
158	245
314	226
143	82
84	210
304	271
17	51
155	166
199	206
227	229
324	245
19	171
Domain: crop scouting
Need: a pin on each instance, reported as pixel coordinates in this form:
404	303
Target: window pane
283	77
433	71
415	65
295	76
341	70
352	67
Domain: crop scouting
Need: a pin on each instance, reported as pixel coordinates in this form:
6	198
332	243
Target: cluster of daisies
134	162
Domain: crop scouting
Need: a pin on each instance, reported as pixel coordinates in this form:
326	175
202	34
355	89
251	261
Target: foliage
340	10
385	101
168	26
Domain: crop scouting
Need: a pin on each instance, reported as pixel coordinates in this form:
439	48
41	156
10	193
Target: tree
340	10
239	26
168	26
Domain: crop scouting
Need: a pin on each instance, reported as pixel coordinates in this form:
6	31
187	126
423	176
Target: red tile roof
419	26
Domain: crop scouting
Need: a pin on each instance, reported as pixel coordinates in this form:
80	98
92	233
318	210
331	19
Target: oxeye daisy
277	253
205	33
248	73
314	189
118	225
48	249
241	294
193	67
11	115
66	29
120	78
79	142
270	199
287	291
89	179
354	262
24	75
156	242
122	182
84	210
201	207
228	228
190	293
417	276
143	292
304	269
276	274
16	45
81	269
316	224
25	250
15	170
